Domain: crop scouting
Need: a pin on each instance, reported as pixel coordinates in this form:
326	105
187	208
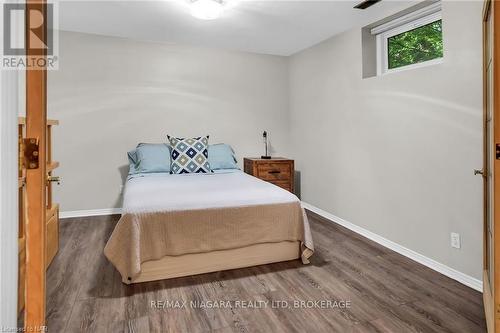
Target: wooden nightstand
279	171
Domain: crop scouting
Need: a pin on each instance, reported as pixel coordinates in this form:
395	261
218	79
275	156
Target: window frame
382	44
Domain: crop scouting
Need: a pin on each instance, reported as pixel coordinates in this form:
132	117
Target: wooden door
491	168
36	177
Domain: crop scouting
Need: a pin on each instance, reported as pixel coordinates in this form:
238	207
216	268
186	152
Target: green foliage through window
420	44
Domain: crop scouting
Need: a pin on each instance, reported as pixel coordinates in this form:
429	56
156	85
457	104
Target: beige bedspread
149	236
170	215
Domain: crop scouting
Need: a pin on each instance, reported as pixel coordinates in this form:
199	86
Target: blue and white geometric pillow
189	155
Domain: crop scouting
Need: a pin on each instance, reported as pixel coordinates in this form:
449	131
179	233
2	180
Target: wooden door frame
491	293
36	124
496	171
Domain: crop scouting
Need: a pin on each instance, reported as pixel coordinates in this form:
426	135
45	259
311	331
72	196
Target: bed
180	225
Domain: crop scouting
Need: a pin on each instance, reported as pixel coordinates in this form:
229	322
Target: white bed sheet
167	192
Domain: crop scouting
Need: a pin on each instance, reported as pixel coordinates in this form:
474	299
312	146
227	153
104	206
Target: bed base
191	264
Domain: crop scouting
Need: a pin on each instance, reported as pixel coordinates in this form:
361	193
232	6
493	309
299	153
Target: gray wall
110	94
395	154
392	154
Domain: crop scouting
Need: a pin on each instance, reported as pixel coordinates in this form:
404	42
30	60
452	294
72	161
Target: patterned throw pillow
189	155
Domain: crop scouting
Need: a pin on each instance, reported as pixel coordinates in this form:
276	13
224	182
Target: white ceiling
269	27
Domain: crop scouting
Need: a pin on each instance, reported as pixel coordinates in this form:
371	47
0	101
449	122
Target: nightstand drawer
274	171
285	184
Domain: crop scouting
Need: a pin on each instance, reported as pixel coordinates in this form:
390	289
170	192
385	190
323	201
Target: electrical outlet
455	240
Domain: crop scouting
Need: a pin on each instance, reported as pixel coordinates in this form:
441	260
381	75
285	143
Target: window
415	46
410	41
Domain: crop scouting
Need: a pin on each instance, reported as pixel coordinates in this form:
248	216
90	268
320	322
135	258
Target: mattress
165	192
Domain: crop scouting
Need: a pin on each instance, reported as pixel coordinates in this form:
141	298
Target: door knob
479	172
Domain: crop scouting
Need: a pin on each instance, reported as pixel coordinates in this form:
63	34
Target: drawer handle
274	171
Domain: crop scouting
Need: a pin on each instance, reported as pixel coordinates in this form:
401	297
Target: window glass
414	46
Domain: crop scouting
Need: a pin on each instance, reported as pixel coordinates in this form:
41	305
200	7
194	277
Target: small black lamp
265	157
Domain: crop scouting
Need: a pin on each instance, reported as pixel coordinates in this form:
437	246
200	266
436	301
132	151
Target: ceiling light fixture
207	9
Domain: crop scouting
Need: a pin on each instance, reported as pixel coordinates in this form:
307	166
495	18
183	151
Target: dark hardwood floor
387	292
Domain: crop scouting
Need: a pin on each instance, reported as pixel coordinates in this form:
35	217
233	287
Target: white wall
8	198
395	154
110	94
10	97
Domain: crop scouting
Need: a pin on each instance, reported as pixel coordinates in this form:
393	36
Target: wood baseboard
90	212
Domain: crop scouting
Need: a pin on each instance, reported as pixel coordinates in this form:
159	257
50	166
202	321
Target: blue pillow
153	157
132	162
226	171
221	156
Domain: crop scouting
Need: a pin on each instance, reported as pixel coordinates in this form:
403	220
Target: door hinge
497	148
31	153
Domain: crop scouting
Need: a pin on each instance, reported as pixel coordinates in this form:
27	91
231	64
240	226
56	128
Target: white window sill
414	66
